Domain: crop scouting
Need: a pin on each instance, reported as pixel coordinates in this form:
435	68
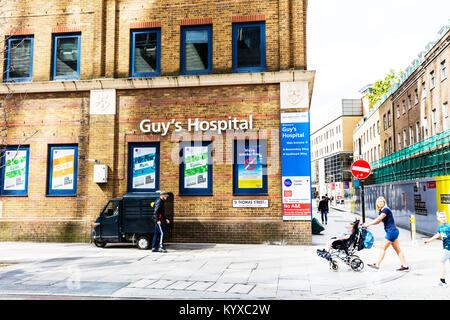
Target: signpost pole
363	206
361	169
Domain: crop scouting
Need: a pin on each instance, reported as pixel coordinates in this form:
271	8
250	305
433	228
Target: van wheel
143	242
99	244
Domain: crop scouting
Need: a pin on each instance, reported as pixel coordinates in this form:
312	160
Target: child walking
444	232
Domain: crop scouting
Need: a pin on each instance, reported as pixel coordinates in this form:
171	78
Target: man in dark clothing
160	222
323	208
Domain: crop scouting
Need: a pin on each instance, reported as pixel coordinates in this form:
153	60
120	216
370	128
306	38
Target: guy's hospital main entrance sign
295	166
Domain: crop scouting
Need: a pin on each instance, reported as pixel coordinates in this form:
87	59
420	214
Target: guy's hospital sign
197	125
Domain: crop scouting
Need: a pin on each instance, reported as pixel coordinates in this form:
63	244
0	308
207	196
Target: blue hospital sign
296	166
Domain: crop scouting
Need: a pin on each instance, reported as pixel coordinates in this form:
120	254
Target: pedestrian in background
323	209
385	215
160	223
443	232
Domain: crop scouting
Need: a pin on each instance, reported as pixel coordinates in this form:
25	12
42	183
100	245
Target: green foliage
381	87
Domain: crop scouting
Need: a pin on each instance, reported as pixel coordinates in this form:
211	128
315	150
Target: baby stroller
345	251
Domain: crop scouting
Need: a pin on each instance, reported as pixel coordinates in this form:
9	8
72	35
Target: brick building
88	82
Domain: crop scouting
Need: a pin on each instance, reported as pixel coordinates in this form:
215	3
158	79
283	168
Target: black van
130	219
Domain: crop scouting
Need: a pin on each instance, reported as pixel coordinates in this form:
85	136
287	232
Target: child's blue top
389	224
444	230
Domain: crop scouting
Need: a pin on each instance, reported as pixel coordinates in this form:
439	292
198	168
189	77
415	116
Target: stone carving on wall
103	102
294	95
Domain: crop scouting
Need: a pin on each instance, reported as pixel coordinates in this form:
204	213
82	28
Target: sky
351	43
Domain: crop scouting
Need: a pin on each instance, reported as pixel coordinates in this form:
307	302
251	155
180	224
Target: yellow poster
63	169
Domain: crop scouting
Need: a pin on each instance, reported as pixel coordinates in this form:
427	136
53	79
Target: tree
381	87
10	99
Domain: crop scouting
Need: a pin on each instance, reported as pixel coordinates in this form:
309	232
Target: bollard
412	220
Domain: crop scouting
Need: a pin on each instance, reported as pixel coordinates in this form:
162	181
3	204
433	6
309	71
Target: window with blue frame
143	167
66	56
196	168
15	164
250	167
62	170
145	53
249	47
196	50
19	59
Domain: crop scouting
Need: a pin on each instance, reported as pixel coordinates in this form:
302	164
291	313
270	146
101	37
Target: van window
112	209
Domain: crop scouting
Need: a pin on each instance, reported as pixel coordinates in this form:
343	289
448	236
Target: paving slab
220	287
200	285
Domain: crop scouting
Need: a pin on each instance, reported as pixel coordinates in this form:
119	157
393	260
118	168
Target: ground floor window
250	167
196	168
62	170
143	167
15	163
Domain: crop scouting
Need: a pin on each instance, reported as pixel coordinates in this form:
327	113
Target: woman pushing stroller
385	215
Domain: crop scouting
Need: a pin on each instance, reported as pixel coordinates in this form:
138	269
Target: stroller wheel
356	264
334	265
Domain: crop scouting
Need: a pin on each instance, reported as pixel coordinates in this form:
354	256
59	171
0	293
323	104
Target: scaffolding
428	158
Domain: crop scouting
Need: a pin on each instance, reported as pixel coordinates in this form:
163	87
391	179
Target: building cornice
162	82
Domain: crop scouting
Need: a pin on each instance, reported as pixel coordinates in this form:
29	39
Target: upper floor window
389	119
66	56
416	96
433	122
403	107
424	90
145	53
446	116
409	102
432	80
19	59
411	135
196	50
443	70
249	47
417	131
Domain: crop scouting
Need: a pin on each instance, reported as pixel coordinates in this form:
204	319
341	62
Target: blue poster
144	168
296	166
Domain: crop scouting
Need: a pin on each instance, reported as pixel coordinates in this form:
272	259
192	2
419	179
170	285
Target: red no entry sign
361	169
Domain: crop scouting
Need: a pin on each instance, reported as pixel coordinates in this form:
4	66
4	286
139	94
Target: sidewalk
218	271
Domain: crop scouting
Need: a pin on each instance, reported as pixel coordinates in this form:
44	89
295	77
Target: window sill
18	80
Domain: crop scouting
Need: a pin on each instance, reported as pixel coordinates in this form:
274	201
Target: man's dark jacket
158	214
323	206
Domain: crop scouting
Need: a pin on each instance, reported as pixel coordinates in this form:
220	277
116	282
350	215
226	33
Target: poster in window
15	170
144	168
63	169
196	167
250	167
